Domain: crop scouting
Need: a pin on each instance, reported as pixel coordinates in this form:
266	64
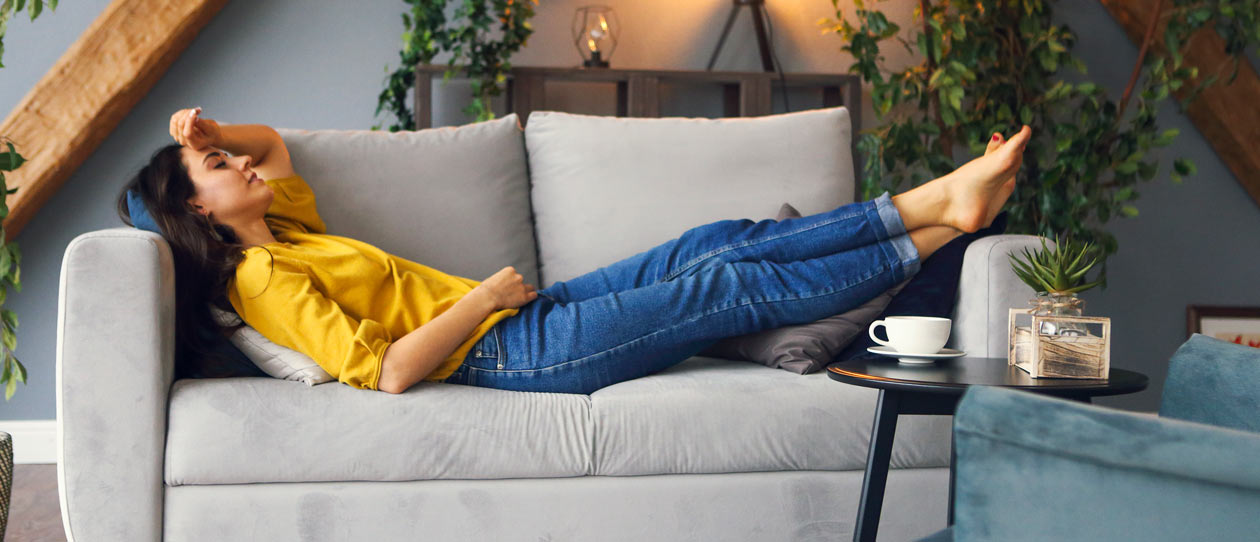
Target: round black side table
936	388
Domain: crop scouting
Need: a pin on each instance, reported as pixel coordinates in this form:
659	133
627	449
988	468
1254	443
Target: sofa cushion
245	430
803	348
704	415
139	213
455	198
791	506
274	360
606	188
709	415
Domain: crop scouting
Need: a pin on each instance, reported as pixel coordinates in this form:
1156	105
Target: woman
244	231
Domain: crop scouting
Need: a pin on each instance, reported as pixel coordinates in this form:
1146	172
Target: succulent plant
1057	271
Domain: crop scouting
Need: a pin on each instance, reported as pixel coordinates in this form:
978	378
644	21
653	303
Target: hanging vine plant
470	39
989	66
10	254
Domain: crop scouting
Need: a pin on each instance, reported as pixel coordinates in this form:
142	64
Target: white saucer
911	357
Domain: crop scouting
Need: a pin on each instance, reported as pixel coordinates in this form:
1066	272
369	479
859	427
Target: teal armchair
1031	467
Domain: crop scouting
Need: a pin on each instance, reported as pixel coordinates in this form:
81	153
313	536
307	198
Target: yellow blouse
339	300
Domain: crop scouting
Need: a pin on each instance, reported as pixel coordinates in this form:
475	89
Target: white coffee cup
913	334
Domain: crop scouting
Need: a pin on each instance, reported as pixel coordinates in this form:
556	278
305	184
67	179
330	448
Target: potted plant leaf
10	274
988	66
1057	275
483	34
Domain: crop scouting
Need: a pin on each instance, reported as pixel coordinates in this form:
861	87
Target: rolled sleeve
361	366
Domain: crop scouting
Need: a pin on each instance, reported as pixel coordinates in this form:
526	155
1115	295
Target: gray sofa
710	449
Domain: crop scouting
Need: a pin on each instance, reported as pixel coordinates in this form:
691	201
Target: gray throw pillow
804	348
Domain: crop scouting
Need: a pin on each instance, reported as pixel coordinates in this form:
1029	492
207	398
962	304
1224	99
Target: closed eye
220	164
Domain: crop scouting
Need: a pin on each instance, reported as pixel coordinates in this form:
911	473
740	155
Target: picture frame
1240	325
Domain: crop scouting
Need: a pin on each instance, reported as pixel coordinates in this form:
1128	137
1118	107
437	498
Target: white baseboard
34	441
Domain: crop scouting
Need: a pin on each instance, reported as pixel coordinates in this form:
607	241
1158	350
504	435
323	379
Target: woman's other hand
192	131
507	289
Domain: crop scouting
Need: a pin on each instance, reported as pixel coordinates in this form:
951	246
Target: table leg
877	458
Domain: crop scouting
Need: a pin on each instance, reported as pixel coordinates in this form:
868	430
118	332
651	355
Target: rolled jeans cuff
907	255
896	233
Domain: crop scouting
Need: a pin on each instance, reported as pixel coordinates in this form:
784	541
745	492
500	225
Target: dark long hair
205	256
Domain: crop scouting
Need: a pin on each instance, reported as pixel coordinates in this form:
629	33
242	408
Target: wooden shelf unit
745	94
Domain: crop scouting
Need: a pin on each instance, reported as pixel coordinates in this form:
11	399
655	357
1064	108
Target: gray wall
1193	243
284	64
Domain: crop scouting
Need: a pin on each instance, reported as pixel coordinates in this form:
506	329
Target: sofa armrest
987	289
115	365
1031	467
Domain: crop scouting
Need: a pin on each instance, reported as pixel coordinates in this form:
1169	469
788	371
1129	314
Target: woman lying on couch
245	236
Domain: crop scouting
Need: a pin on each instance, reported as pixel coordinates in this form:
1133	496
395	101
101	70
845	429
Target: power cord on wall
777	65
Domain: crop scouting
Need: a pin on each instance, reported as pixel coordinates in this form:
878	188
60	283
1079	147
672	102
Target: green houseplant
988	66
1058	275
1060	271
470	38
10	273
10	254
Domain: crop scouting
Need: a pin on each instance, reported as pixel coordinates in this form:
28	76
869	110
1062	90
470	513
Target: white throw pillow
278	361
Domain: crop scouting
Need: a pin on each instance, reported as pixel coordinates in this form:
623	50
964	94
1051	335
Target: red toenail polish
995	137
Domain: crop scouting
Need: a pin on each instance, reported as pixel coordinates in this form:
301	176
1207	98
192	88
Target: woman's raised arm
259	141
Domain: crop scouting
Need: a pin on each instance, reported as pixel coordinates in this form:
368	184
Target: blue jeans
657	308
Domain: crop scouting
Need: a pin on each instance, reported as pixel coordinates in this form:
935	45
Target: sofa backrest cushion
606	188
454	198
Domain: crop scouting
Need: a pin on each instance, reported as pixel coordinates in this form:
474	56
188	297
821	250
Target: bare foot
977	188
1003	193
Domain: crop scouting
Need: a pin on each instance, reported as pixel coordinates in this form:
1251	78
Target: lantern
595	33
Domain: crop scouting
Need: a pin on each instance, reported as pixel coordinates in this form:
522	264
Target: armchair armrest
1030	467
115	365
987	289
1214	382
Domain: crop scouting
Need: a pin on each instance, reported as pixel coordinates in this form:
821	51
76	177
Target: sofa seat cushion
704	415
710	415
245	430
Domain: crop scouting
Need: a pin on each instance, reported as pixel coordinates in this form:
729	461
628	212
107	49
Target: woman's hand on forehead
190	130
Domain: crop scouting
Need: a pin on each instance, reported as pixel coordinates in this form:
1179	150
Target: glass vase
1052	304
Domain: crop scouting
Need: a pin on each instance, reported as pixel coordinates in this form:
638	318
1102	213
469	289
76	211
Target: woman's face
227	189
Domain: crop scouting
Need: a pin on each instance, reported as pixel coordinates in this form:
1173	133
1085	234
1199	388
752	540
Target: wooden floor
34	508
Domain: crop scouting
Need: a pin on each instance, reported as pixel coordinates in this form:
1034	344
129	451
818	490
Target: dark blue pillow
237	363
933	291
140	216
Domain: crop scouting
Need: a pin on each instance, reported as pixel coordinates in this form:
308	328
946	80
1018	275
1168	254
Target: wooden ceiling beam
88	91
1228	116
